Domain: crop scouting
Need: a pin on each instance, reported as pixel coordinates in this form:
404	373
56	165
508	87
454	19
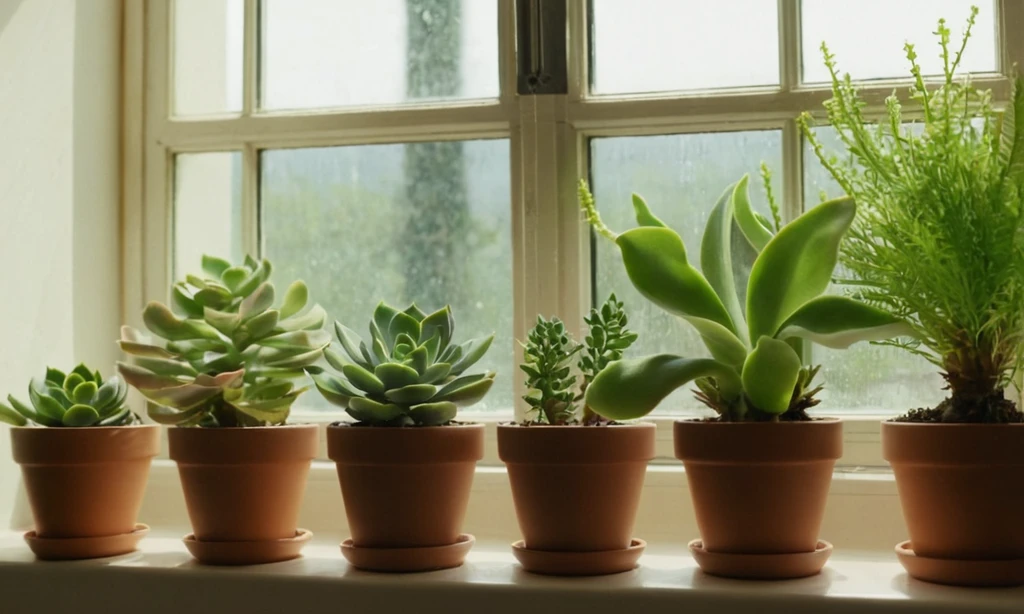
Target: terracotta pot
576	488
960	487
405	487
85	482
759	488
244	484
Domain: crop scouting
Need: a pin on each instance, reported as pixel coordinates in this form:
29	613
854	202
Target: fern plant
554	397
938	238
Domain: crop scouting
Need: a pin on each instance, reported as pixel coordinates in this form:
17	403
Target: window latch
541	47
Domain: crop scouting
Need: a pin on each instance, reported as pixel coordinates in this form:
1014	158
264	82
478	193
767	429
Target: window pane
865	377
423	222
681	177
335	53
207	209
664	45
208	56
867	36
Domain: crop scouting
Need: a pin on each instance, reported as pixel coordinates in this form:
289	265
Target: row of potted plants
930	235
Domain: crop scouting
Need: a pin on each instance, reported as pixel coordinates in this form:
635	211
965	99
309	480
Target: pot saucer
960	572
599	563
247	552
761	566
72	548
407	560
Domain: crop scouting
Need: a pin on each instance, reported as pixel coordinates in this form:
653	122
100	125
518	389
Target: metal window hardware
541	47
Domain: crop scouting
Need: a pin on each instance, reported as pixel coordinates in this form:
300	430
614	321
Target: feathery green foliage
230	357
411	373
79	398
756	369
549	351
938	238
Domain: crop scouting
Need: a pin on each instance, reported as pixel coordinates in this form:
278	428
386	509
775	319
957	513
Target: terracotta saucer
761	566
961	573
247	553
72	548
407	560
579	563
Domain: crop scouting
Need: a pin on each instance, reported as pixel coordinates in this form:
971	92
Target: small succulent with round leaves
78	398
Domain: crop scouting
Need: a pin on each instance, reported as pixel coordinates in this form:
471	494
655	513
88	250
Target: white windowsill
162	578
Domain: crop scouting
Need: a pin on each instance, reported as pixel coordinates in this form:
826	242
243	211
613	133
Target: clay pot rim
243	428
410	427
632	424
786	424
83	429
891	423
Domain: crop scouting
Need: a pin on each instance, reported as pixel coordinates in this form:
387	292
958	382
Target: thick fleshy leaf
214	297
221	320
415	312
433	414
215	267
350	342
162	322
49	407
472	351
440	322
84	392
311	320
333	388
721	342
379	346
183	303
72	381
259	326
81	415
295	298
769	375
230	379
233	277
395	375
165	367
630	389
55	376
302	339
120	417
168	416
297	361
755	232
466	391
9	416
716	258
259	301
656	262
435	373
433	347
368	410
382	316
403	324
643	214
839	321
796	266
363	379
23	409
418	359
144	379
260	274
144	349
110	395
412	394
272	411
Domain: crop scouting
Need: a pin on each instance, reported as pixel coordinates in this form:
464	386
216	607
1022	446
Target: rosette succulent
410	372
756	369
79	398
229	357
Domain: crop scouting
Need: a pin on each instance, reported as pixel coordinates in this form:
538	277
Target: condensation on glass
864	377
681	177
846	26
421	222
207	209
642	46
341	53
207	56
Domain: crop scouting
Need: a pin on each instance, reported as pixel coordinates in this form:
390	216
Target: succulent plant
229	358
552	391
550	383
79	398
756	369
410	373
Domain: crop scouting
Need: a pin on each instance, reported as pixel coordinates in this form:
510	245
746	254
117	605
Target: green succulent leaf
234	277
382	317
363	379
395	375
435	373
256	303
350	342
756	232
183	302
721	342
411	394
9	416
49	407
336	390
295	298
23	409
368	410
796	266
222	321
415	312
630	389
433	414
81	415
442	323
403	324
118	418
644	217
259	326
84	392
656	263
769	375
471	352
168	416
214	267
72	381
418	359
466	390
311	320
839	321
55	376
716	258
260	274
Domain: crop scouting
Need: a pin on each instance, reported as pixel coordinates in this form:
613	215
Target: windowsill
162	578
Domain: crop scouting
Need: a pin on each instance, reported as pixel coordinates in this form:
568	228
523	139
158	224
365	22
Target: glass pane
664	45
423	222
207	209
865	377
867	36
335	53
681	177
208	56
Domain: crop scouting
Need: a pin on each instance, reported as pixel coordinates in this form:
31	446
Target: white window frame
548	138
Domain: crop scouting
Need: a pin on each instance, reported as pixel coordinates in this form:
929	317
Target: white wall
59	187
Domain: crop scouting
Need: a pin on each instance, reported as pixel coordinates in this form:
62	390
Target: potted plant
405	453
762	453
938	242
85	472
576	477
225	377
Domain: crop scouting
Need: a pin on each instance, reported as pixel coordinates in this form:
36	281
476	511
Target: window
380	150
